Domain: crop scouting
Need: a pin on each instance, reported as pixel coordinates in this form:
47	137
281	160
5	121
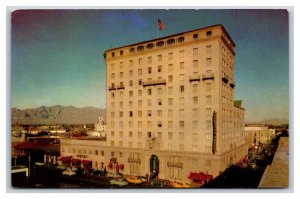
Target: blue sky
57	55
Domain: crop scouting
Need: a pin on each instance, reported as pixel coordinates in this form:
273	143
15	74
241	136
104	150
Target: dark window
113	54
131	50
140	82
121	52
195	36
209	33
180	39
130	113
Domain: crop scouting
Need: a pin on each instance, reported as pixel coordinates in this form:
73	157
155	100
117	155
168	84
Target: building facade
170	107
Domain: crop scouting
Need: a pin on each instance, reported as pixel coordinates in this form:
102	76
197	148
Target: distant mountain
275	122
57	115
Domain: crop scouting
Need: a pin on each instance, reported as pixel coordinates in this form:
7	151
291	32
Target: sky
57	55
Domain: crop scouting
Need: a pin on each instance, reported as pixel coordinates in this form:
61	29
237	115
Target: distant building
256	135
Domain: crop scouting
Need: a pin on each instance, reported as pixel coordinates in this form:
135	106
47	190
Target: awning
121	166
25	145
110	165
86	162
75	161
197	176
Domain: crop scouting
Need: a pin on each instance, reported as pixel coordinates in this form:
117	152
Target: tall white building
170	107
170	101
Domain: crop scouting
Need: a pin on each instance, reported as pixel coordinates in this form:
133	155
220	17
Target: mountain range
57	115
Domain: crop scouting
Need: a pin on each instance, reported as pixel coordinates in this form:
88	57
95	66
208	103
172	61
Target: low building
256	135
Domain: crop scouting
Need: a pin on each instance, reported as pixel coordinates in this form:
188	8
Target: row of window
232	114
161	43
181	124
159	113
159	68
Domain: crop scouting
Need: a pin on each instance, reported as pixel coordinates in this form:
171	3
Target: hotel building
170	107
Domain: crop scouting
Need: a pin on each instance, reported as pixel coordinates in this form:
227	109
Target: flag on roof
161	25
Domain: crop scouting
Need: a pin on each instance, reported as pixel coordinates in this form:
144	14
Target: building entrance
154	167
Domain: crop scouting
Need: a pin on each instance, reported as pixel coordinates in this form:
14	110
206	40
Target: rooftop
177	34
276	175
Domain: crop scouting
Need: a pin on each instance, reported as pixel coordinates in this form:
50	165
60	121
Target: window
149	91
181	54
121	104
170	101
149	124
195	64
121	143
208	49
112	105
130	93
149	70
149	113
112	114
195	99
181	147
130	73
130	62
159	68
170	135
208	124
140	113
170	113
130	133
159	91
112	124
181	88
180	39
208	99
159	102
170	90
140	124
130	83
130	144
140	103
159	135
181	101
208	86
170	67
121	134
195	112
113	67
170	56
159	124
159	113
195	37
195	124
121	124
130	113
208	61
121	65
149	60
170	78
140	82
170	124
181	112
159	57
195	51
113	54
209	33
140	61
121	74
112	143
149	102
195	88
139	134
181	65
113	76
112	95
208	111
121	114
131	50
181	124
181	135
139	92
140	72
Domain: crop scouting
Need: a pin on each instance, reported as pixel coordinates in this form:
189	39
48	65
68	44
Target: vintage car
119	181
68	172
134	180
179	185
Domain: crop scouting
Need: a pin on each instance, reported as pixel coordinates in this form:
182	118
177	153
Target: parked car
113	175
179	185
119	181
68	172
99	173
134	180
